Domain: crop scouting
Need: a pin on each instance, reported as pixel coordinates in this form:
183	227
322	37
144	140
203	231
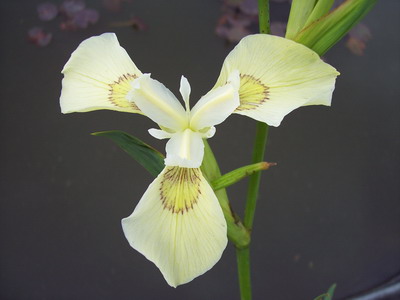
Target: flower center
180	189
119	89
252	93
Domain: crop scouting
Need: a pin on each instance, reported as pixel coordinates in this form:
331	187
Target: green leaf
331	291
328	295
237	233
325	32
238	174
299	13
151	159
321	8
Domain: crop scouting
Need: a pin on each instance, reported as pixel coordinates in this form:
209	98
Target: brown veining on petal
252	93
180	188
119	89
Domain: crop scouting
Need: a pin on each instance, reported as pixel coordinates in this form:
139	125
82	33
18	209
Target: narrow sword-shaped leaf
328	295
321	35
151	159
331	291
238	174
321	8
299	13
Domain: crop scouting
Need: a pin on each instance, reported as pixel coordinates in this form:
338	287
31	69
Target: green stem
243	264
243	255
263	16
254	179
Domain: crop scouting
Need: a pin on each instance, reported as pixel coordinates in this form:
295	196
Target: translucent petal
277	76
158	103
178	225
185	149
98	76
218	104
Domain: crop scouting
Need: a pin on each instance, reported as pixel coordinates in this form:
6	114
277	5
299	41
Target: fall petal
178	225
98	75
277	75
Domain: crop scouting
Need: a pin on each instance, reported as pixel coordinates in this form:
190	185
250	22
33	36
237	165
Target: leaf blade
322	34
237	233
151	159
322	7
238	174
300	11
328	295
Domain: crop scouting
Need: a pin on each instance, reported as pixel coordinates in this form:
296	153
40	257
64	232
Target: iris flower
178	223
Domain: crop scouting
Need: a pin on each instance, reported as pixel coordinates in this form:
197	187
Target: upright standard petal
185	149
158	103
178	225
277	76
218	104
185	90
98	76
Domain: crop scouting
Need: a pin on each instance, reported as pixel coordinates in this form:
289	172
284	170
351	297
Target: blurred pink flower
47	11
39	37
71	7
357	39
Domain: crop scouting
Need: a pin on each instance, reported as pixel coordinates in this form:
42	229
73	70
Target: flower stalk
254	181
263	16
310	25
243	254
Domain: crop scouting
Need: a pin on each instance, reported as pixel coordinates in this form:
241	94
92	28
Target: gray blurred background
328	213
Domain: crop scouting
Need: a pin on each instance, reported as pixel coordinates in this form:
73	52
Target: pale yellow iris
178	223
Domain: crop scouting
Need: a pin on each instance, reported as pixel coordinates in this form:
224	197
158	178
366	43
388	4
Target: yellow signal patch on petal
98	75
119	89
252	93
178	224
277	76
180	189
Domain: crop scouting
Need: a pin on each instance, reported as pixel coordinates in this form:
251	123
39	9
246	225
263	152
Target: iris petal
178	225
98	76
277	76
185	149
158	103
218	104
